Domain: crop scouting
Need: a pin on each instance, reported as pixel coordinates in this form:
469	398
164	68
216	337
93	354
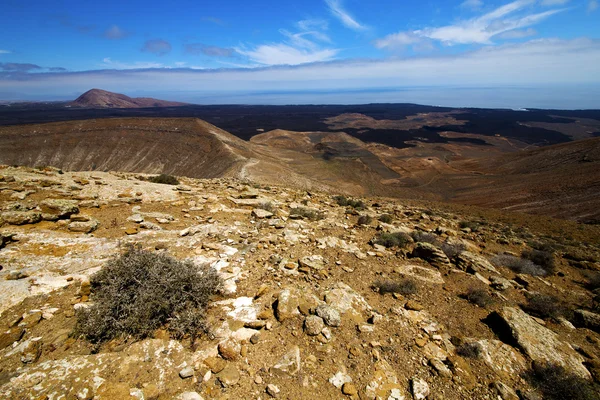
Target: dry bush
405	286
518	265
364	220
425	237
452	250
344	201
469	350
165	179
472	225
479	297
267	206
556	383
140	291
386	218
396	239
307	213
543	258
546	306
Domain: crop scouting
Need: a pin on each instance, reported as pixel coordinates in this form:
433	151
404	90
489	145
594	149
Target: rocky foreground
318	301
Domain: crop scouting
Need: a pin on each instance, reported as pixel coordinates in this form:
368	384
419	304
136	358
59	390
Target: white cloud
518	33
472	4
554	2
5	52
108	63
592	5
537	62
478	30
298	48
283	54
336	8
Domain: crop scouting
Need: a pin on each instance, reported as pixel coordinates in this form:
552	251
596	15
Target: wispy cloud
211	51
472	4
69	22
115	33
518	34
110	64
213	20
159	47
19	67
592	5
5	52
479	30
554	2
338	11
306	46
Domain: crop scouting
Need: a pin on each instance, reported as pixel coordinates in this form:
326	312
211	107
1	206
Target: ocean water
559	97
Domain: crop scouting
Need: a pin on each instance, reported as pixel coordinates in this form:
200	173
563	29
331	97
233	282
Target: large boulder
588	319
537	341
472	262
432	254
21	217
59	207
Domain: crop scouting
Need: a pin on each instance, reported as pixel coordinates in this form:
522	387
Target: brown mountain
97	98
559	180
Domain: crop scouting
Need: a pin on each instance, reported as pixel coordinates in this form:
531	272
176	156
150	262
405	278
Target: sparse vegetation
543	258
472	225
518	265
164	179
451	250
556	383
344	201
479	297
396	239
546	306
469	350
140	291
307	213
404	287
267	206
386	218
364	220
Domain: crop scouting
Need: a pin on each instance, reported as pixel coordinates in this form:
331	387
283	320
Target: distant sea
578	97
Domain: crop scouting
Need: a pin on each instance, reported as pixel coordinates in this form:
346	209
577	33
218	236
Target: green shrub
396	239
165	179
386	218
140	291
405	286
556	383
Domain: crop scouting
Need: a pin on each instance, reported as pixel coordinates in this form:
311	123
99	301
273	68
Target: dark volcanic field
245	121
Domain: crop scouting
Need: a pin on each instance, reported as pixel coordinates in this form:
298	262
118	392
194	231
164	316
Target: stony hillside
322	297
97	98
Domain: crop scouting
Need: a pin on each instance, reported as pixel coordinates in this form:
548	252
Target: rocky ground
312	307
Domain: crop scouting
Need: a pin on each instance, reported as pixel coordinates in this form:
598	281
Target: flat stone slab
425	274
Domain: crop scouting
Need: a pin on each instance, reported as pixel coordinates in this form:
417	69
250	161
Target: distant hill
97	98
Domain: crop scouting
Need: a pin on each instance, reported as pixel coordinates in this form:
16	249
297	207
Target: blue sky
198	49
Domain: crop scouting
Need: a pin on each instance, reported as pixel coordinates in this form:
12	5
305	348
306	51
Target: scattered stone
215	364
432	254
313	325
420	388
131	231
413	305
229	349
339	379
32	351
272	390
289	363
83	227
261	214
314	262
16	275
189	396
229	376
187	372
248	194
59	207
349	389
441	368
500	283
21	217
330	315
288	301
505	392
588	319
